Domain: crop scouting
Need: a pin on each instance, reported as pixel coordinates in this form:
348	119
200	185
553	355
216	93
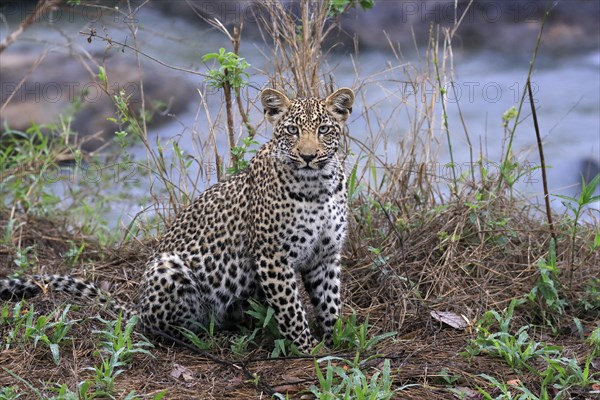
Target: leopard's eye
292	129
323	129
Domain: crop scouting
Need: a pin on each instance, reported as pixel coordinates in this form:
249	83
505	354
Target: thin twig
445	124
542	162
34	66
111	41
41	7
238	98
529	72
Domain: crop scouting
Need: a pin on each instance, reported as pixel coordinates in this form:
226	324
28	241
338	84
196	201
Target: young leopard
250	235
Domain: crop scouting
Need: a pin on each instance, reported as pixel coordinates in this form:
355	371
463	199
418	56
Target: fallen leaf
451	319
291	378
463	392
179	371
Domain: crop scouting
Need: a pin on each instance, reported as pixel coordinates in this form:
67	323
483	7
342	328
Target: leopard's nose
308	157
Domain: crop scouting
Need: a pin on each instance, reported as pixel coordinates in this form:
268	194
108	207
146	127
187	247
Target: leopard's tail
78	289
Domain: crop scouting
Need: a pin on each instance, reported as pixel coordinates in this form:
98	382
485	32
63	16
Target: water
566	89
485	87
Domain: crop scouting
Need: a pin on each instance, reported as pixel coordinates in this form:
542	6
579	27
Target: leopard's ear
275	104
340	103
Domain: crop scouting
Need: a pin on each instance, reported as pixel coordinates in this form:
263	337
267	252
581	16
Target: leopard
259	233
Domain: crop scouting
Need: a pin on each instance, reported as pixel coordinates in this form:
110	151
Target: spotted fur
250	235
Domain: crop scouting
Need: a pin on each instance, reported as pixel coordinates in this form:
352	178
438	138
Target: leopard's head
307	131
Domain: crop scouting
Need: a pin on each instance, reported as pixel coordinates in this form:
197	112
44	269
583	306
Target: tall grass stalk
511	135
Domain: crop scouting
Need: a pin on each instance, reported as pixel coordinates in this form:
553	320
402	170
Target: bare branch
41	7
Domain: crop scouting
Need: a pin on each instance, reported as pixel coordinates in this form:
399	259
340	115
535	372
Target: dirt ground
418	270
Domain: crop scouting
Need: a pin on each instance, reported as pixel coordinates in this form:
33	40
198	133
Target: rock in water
62	80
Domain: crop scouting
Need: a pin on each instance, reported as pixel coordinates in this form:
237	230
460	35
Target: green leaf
366	4
55	352
596	240
209	56
102	74
270	313
587	190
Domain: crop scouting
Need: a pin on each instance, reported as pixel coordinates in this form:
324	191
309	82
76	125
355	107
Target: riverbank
401	267
455	284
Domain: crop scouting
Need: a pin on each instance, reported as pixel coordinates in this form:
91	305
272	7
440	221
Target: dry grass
468	275
432	253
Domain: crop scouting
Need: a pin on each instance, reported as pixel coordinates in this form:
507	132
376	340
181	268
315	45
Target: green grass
347	380
24	326
402	225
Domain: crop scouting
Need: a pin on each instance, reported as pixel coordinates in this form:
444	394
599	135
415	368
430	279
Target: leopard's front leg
278	282
323	286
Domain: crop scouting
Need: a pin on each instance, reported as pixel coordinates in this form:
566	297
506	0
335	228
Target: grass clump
461	243
346	379
23	325
517	350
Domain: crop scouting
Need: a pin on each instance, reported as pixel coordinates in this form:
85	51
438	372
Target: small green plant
22	258
9	393
239	345
8	233
85	392
349	334
29	167
512	171
231	75
255	380
517	350
446	377
563	374
32	163
264	318
346	379
119	339
594	341
354	187
106	373
206	341
231	71
380	259
337	7
546	286
50	330
560	376
24	382
239	152
117	350
267	326
576	205
508	116
507	391
203	342
74	252
13	321
591	299
64	393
